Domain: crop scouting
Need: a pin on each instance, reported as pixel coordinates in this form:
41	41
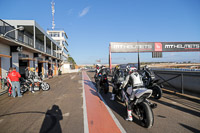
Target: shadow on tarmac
117	106
190	128
186	110
51	123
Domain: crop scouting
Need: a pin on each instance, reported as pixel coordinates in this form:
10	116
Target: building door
40	67
22	66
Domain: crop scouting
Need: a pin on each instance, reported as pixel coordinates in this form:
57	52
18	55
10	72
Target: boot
130	117
113	97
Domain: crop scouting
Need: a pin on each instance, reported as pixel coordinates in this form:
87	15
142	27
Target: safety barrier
179	80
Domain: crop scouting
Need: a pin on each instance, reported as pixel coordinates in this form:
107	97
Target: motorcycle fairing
141	91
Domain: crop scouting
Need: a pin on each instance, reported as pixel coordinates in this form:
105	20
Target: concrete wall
65	68
15	60
191	80
5	62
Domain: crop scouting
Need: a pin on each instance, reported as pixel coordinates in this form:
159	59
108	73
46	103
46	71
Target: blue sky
92	24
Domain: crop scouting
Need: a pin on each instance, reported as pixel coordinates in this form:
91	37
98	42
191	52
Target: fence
180	81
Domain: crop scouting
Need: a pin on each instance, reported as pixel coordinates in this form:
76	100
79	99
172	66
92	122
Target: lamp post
19	28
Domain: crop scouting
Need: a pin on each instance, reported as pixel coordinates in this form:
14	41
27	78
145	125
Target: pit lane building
31	47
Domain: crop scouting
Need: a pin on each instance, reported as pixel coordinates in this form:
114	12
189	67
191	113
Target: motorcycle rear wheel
106	88
146	115
157	92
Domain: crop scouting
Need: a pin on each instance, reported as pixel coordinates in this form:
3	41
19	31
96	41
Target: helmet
97	66
102	67
32	69
117	67
132	69
127	68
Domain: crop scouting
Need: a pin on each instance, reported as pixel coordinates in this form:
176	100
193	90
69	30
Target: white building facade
61	38
32	47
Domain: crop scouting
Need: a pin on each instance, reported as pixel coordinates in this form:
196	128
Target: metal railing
48	51
58	55
39	45
179	80
176	69
22	37
15	35
54	53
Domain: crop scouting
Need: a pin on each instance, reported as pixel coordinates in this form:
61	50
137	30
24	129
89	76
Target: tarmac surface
54	111
61	109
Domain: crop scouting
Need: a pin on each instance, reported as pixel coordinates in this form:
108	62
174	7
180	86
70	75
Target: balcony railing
54	53
5	27
58	55
48	50
15	35
22	37
39	45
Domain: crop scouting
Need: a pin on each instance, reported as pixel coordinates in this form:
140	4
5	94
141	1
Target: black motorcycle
101	80
151	82
24	85
117	81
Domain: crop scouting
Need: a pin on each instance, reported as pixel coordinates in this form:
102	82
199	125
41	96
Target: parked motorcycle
38	84
137	99
24	85
102	81
151	82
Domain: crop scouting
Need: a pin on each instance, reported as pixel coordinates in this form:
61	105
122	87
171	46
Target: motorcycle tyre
148	117
98	86
46	86
106	88
157	92
23	90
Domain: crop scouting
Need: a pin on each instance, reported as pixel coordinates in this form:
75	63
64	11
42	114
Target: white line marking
109	110
73	77
85	120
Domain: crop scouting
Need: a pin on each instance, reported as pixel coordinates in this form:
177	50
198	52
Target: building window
23	55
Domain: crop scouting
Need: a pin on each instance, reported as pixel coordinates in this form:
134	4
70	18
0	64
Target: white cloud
84	12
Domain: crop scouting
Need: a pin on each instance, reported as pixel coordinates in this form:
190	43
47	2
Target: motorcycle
141	107
24	85
117	81
38	84
151	82
102	82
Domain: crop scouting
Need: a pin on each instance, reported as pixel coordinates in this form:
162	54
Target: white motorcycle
137	99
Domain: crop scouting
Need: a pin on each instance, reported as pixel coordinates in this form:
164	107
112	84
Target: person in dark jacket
14	77
50	73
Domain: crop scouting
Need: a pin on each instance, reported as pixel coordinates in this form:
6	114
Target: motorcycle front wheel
146	115
45	86
157	92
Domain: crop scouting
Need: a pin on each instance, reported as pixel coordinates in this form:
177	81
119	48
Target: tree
71	60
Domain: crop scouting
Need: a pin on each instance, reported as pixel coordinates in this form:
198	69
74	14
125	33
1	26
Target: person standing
14	77
9	82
